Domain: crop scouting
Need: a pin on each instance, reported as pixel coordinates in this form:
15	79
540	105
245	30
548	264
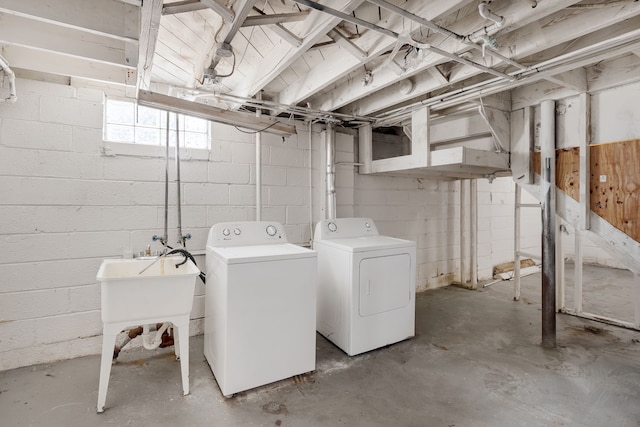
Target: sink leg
182	349
108	342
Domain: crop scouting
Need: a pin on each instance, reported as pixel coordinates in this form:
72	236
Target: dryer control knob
366	224
226	232
271	230
237	231
332	226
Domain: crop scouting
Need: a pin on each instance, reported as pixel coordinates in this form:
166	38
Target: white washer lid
260	253
367	243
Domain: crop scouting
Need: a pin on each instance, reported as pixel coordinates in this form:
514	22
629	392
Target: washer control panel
339	228
246	233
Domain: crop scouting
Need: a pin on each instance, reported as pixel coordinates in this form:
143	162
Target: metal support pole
474	233
548	191
516	244
548	259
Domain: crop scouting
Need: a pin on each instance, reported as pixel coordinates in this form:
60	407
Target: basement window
128	122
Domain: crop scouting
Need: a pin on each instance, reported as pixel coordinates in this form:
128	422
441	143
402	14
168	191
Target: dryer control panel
246	233
340	228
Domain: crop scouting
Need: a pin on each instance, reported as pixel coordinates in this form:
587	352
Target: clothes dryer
366	285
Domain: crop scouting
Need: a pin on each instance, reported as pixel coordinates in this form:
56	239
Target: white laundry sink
161	290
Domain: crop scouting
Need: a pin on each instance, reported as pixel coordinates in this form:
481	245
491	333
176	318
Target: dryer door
385	283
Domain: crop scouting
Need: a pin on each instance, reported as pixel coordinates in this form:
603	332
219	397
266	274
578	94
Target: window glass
127	122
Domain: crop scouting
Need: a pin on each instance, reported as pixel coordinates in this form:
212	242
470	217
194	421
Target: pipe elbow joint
486	13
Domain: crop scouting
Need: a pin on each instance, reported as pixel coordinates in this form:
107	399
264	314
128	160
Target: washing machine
260	306
366	285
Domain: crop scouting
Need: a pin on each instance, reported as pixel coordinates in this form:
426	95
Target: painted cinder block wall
69	200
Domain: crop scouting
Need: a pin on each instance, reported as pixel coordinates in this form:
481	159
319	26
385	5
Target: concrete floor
475	361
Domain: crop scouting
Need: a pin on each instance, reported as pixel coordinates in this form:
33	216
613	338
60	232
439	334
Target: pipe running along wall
259	165
330	145
13	97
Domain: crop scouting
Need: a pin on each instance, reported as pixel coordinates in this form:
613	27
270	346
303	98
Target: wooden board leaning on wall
614	183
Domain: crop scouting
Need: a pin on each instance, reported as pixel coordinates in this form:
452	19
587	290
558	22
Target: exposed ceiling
352	60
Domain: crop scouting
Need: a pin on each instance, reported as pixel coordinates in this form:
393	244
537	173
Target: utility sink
160	290
138	292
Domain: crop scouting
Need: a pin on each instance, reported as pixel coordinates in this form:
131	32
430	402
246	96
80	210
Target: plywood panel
614	183
567	170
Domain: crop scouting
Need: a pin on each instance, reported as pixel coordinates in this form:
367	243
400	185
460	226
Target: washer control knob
366	224
226	232
271	230
332	226
237	231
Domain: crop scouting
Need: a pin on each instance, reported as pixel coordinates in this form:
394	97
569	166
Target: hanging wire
257	131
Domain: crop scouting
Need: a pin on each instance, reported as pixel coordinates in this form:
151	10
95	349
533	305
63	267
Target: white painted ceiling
308	62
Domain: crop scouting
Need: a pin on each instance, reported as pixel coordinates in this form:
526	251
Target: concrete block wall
68	200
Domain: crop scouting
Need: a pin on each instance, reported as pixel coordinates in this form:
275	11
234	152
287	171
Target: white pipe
330	145
577	271
310	183
165	236
181	238
494	85
13	97
153	341
516	243
463	231
258	166
483	10
474	232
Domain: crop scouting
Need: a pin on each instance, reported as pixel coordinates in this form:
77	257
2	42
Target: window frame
111	145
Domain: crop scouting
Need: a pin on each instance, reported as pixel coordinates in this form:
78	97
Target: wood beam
226	14
584	140
232	118
347	44
282	32
149	25
277	60
103	17
183	7
498	122
273	19
617	72
560	25
18	30
438	75
575	80
64	65
342	63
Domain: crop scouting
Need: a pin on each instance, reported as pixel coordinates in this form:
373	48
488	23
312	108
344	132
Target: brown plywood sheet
567	170
614	183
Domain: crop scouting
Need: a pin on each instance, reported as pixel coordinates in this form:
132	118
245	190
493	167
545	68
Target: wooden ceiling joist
207	112
277	18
